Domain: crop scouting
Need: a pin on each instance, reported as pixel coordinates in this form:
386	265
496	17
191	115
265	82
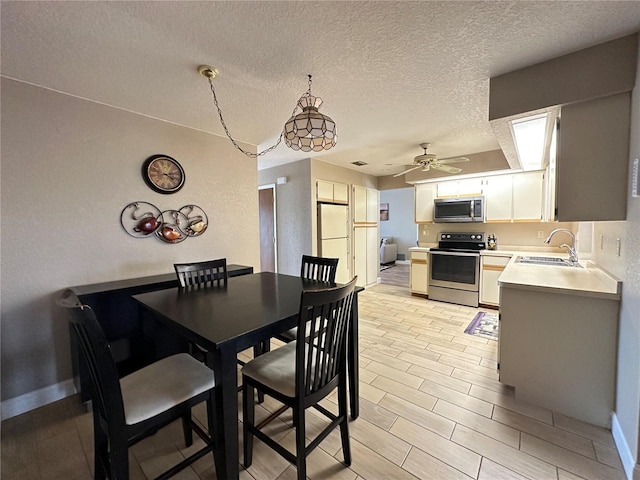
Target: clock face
163	174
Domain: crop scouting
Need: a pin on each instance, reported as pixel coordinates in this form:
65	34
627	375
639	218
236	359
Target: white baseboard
38	398
626	456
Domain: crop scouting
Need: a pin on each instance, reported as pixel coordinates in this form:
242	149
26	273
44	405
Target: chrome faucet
573	255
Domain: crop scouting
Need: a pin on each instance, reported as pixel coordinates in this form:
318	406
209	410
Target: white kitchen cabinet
498	194
528	194
366	246
424	194
491	267
460	188
332	192
419	272
514	197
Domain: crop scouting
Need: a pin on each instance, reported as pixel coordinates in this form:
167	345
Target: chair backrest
321	356
319	268
211	272
95	350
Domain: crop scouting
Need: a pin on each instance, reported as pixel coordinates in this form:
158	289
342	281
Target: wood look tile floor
431	408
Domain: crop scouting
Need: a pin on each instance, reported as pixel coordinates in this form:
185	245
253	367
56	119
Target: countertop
589	281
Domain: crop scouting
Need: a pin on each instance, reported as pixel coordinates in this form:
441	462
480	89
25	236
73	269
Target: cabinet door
470	187
490	270
359	204
448	189
341	193
360	255
423	202
373	206
419	272
324	191
498	193
373	255
527	196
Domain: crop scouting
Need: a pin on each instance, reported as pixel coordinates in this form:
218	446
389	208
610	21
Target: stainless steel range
454	268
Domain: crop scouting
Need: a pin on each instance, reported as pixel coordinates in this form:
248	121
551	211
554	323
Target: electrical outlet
540	233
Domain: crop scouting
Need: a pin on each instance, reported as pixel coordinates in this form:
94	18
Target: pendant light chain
235	144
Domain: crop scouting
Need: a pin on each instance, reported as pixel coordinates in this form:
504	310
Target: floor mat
484	325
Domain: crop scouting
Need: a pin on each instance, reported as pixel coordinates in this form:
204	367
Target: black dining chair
208	273
322	269
128	409
302	373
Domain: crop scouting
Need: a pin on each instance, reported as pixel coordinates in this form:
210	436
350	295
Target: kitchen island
558	337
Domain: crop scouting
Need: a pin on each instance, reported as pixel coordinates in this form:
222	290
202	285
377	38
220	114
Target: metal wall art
143	219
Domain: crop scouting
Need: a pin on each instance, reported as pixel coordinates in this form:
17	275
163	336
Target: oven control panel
463	237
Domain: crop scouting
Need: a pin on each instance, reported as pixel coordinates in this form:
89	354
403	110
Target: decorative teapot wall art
143	219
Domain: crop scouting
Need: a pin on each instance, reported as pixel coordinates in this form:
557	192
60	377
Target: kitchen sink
561	262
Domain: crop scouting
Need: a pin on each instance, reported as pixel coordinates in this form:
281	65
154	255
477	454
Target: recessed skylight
529	136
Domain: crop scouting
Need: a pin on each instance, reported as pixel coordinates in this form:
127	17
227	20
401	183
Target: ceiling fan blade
453	160
407	171
446	168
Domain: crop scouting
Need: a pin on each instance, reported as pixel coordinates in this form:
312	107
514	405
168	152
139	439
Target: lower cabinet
491	267
420	272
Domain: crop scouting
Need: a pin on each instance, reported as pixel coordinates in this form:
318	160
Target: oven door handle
457	254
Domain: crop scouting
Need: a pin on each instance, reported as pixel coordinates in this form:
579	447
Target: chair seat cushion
162	385
275	369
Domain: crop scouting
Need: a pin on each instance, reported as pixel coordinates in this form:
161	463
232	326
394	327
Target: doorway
268	238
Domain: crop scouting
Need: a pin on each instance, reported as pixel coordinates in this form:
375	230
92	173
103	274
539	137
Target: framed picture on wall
384	212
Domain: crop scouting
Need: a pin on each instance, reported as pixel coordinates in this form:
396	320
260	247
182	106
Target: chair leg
214	429
100	453
301	458
186	429
248	419
344	424
119	460
260	349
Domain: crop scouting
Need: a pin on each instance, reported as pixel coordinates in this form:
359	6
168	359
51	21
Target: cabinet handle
497	268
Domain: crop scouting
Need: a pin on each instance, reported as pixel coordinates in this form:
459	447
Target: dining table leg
352	361
223	364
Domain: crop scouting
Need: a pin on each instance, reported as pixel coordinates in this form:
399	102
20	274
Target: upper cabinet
332	192
514	197
593	160
423	195
365	205
459	188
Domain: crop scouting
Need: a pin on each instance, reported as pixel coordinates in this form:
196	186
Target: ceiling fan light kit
308	130
427	161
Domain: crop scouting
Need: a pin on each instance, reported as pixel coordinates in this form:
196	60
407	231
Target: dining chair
302	373
207	273
322	269
128	409
210	273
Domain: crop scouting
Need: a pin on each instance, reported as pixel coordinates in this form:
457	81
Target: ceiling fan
427	161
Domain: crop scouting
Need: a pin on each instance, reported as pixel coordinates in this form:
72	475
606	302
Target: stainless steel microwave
458	210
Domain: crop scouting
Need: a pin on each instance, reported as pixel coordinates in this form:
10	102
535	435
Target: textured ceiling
392	74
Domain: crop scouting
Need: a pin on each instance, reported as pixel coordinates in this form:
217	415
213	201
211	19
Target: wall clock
163	174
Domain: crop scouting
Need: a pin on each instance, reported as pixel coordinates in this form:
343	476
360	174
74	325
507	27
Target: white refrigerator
333	237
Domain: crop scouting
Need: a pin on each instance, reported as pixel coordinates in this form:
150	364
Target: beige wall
69	167
294	213
507	234
627	268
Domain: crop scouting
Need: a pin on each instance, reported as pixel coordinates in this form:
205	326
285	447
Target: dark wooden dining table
225	321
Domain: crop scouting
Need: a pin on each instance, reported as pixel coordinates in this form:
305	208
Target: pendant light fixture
308	130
